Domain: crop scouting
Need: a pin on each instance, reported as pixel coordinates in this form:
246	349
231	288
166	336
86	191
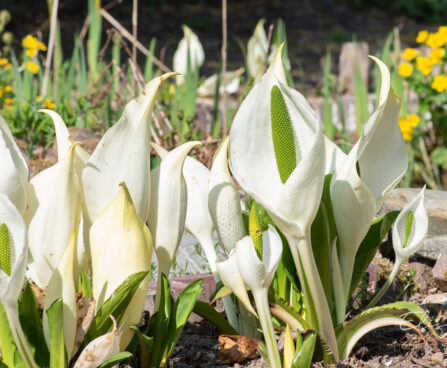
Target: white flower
188	45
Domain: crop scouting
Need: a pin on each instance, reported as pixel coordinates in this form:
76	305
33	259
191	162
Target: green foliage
55	315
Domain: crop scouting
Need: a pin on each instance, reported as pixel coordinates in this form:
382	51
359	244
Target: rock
436	205
351	53
436	299
440	272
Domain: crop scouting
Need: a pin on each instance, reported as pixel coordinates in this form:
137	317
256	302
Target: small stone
440	299
440	272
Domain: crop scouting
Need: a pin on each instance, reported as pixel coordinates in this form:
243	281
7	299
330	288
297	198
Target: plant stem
49	58
387	284
263	309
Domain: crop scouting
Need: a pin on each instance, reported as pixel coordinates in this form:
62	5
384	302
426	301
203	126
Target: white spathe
122	155
189	43
224	202
168	205
373	167
13	168
294	204
198	220
120	245
53	203
257	51
11	283
419	228
62	285
230	85
256	273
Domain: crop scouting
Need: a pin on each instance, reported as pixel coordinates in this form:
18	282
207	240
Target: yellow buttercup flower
409	54
49	104
439	83
8	101
32	43
413	119
424	65
1	92
171	89
8	89
39	98
436	55
422	36
8	66
435	40
4	61
32	67
31	52
406	69
442	31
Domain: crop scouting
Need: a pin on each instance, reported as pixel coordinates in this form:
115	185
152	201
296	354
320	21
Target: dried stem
51	41
125	33
224	66
134	30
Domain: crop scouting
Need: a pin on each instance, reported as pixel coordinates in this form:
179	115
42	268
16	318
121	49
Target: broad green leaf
400	314
7	342
212	315
182	310
57	348
369	245
159	323
116	359
303	356
116	306
146	344
31	322
276	299
220	292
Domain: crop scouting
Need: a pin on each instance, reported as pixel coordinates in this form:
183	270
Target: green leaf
221	292
159	323
209	313
8	345
31	322
85	285
369	245
182	310
303	356
116	359
146	343
275	298
55	322
115	305
399	313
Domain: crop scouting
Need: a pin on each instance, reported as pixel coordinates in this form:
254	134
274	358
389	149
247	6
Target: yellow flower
171	89
1	92
39	98
9	107
32	43
413	120
32	67
436	55
8	101
8	66
31	52
422	36
409	54
4	61
424	64
439	83
435	40
406	129
49	104
8	89
406	69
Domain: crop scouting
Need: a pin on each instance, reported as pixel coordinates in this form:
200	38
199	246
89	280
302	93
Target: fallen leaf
236	348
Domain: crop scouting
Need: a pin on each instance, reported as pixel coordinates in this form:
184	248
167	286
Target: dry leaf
236	348
85	311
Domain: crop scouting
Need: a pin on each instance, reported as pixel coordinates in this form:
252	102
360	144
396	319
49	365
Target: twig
132	39
51	41
269	44
156	137
134	30
224	66
164	116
